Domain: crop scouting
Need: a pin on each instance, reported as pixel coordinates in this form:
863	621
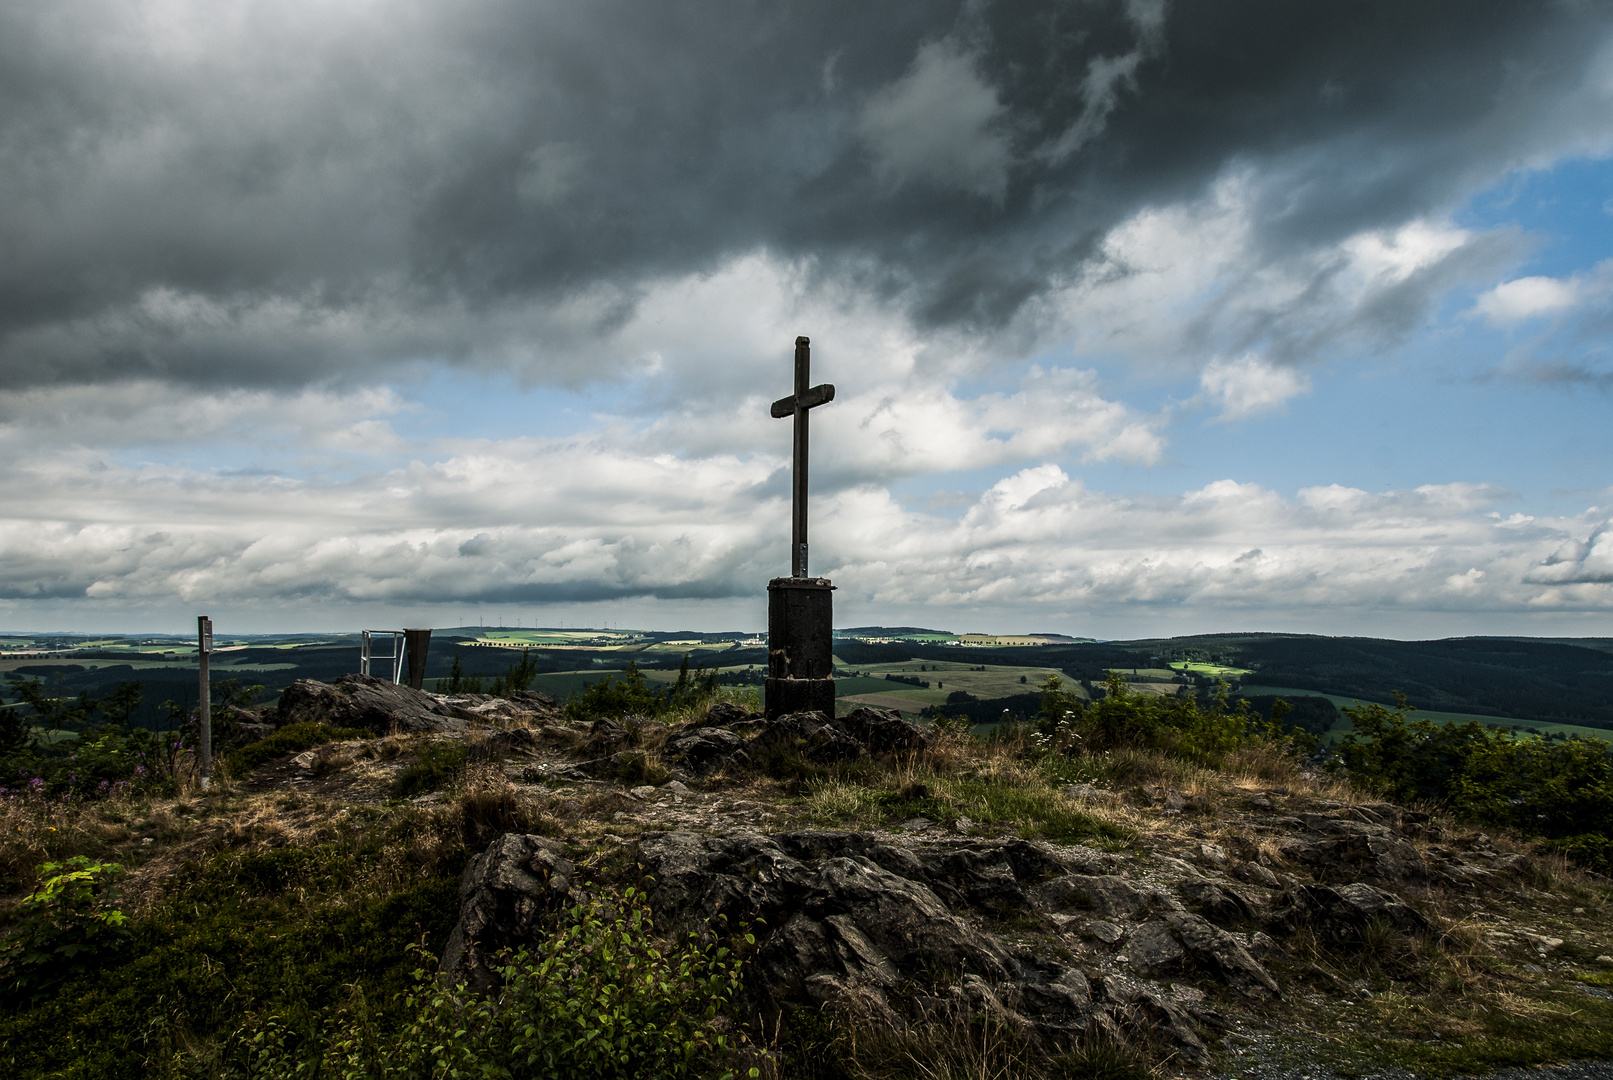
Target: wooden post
204	698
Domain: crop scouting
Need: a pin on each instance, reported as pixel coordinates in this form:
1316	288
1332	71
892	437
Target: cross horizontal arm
821	394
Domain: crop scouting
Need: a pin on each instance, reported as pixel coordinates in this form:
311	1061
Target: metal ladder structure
366	652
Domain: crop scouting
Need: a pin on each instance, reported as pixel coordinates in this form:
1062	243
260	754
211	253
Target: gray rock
1059	1009
1105	931
1339	915
1339	849
726	713
1220	904
363	702
843	921
1145	1009
705	750
504	895
812	734
1104	894
1256	874
608	733
516	742
1153	948
883	730
522	707
1211	949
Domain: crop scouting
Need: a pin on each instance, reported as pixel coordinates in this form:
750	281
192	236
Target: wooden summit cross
796	405
800	616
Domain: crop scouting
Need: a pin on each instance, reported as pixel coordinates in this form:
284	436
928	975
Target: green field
1209	671
866	684
863	688
1429	714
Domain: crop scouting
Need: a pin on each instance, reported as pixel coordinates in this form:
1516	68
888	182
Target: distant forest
1537	680
1527	679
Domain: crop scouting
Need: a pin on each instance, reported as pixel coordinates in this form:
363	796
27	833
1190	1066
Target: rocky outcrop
1341	847
883	731
1340	915
504	895
726	714
814	736
854	923
524	707
704	750
1184	942
359	701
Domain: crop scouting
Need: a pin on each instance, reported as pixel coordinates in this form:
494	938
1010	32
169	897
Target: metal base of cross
800	695
800	646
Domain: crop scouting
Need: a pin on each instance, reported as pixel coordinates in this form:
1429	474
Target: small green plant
68	923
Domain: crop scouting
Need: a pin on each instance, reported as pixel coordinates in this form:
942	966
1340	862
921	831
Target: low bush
68	925
1561	792
632	695
290	933
599	997
292	739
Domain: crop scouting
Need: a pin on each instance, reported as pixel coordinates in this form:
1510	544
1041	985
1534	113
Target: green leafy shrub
458	682
518	676
434	766
633	695
598	998
1559	791
69	923
292	739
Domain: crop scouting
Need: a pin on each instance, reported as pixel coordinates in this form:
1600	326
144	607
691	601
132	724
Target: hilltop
1111	898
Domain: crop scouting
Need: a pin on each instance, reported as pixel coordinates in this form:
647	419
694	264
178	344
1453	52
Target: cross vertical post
798	471
204	698
797	405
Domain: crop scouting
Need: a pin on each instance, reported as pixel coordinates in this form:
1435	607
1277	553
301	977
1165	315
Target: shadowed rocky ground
924	903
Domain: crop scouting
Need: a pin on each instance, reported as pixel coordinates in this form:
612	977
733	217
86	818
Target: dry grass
979	1047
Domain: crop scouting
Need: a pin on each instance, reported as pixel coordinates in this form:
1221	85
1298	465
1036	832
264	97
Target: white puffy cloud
1536	296
1248	385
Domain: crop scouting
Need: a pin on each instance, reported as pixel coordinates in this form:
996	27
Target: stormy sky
1146	317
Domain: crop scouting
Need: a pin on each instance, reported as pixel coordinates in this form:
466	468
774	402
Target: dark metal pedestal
416	643
800	646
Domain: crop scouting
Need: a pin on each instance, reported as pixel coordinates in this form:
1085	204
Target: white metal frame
366	652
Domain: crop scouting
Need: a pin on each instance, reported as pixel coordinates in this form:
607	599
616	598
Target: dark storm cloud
280	193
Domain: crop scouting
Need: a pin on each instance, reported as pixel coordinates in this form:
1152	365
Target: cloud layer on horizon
587	519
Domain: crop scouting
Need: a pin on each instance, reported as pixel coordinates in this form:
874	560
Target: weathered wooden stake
204	698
